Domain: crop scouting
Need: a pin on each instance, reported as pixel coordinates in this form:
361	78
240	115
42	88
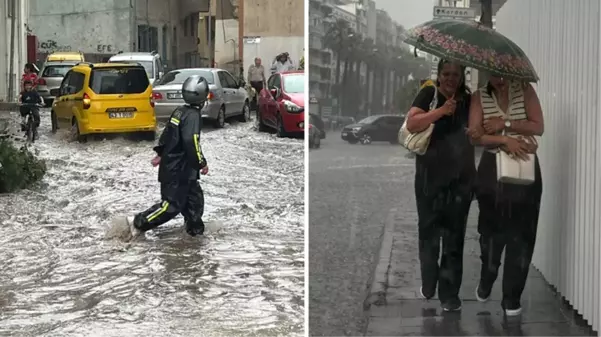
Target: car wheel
220	121
75	134
54	121
353	141
365	139
245	116
280	130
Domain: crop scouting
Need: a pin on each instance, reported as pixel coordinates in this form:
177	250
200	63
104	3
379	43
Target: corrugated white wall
562	39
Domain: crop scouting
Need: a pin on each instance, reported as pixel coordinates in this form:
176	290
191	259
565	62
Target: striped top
516	110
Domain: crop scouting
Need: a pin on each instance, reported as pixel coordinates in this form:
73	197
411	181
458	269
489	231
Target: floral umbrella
473	45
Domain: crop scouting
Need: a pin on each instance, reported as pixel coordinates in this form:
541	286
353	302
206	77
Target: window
56	71
294	84
76	81
65	83
232	83
225	80
148	38
119	80
271	80
277	82
179	76
369	120
148	66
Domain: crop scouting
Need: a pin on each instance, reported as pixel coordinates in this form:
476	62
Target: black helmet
195	90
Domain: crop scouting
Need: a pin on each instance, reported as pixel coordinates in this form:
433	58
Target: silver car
227	96
50	79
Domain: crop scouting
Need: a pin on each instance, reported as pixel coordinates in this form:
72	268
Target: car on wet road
282	104
227	98
104	98
381	128
53	71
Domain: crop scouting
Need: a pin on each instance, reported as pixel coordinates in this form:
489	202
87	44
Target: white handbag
513	171
418	142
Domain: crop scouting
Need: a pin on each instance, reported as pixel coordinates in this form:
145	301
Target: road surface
60	278
352	189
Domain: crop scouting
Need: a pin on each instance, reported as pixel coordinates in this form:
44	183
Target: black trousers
24	110
508	220
442	212
185	197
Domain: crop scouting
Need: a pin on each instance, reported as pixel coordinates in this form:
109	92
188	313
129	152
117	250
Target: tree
336	38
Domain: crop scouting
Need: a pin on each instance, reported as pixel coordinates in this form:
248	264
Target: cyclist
30	97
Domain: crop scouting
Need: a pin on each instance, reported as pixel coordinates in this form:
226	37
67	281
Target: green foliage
406	94
20	168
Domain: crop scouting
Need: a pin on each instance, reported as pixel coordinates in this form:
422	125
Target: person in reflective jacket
181	161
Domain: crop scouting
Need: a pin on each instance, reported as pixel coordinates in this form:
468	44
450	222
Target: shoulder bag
418	142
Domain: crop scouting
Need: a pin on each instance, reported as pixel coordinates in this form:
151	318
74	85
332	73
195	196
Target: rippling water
60	278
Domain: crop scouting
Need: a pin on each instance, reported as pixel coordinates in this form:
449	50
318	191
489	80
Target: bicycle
30	128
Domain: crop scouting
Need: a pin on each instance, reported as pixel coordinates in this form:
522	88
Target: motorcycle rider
180	159
29	96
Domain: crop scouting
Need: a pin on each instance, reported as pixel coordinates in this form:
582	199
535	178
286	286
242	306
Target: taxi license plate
174	96
121	114
344	134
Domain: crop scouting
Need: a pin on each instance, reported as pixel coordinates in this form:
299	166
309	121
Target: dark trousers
442	213
185	197
508	220
24	110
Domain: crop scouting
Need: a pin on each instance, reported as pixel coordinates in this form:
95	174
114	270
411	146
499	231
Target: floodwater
61	278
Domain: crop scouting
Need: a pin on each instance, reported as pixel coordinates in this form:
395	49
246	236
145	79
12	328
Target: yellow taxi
100	98
65	56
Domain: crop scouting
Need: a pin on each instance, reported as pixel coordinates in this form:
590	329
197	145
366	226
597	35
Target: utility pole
210	38
11	71
486	20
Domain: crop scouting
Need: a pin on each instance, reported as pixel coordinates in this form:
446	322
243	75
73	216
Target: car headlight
291	107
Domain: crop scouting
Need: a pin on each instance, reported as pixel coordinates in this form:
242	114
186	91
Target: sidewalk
398	310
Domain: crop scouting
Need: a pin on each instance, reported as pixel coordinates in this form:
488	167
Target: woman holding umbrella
444	180
504	117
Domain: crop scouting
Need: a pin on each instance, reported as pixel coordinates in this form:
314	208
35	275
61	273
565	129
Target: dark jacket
179	146
30	97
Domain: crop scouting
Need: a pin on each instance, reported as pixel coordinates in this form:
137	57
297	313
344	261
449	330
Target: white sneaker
480	299
513	312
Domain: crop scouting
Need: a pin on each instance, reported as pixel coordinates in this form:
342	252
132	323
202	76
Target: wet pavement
397	309
60	278
352	187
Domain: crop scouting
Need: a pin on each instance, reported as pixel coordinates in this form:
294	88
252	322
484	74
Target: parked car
51	76
374	128
314	134
227	97
151	62
317	122
282	104
104	98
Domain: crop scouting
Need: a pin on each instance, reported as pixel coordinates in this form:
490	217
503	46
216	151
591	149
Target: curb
377	291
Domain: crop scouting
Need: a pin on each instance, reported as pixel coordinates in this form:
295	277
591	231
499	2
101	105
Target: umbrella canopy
473	45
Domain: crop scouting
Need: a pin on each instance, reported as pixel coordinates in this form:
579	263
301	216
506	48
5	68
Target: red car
282	104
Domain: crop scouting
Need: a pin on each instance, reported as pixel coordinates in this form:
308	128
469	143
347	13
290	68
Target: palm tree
336	39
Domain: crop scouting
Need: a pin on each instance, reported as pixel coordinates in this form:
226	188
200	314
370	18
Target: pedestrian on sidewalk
502	117
444	181
256	78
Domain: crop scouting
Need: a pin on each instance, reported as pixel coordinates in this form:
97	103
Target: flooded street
61	278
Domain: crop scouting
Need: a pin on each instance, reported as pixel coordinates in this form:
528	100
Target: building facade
567	250
10	75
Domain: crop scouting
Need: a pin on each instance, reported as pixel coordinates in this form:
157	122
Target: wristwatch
507	124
